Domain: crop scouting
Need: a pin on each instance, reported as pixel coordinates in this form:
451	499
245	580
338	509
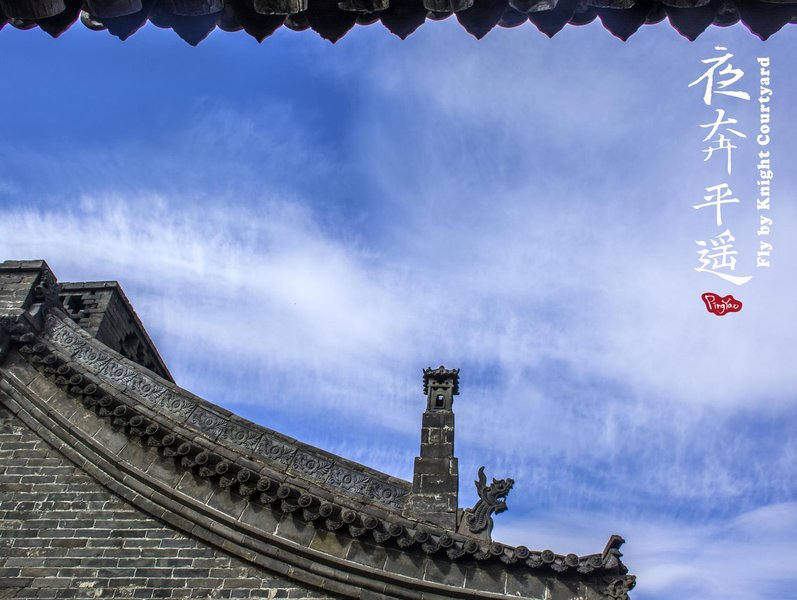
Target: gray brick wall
62	535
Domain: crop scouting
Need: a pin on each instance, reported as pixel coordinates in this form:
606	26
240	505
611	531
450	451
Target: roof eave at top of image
193	20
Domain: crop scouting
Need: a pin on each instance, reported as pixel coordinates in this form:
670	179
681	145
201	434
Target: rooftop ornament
492	500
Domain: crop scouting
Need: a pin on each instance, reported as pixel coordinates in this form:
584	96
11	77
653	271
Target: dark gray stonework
102	309
435	482
492	500
63	535
296	517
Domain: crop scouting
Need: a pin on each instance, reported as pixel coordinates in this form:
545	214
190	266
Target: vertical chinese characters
720	80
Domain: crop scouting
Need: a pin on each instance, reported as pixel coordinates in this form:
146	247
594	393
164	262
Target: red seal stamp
721	305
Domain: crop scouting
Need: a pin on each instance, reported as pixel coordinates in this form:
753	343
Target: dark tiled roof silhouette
194	20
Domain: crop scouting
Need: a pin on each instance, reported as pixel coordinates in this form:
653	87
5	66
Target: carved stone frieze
145	386
63	336
388	494
240	436
311	466
207	422
348	480
276	451
91	356
173	403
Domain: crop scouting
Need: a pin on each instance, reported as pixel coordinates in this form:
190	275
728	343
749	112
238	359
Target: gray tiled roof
193	20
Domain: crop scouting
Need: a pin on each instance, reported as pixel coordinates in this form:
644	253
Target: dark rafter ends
194	20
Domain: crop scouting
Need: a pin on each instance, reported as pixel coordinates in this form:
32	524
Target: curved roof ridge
317	467
142	438
182	407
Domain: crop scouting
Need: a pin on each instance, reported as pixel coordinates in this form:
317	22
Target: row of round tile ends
194	20
249	483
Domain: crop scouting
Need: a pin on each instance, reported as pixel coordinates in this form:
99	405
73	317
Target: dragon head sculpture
492	499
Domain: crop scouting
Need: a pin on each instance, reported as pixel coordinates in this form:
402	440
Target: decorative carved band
267	446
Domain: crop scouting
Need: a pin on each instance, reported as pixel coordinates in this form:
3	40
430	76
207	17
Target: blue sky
303	227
